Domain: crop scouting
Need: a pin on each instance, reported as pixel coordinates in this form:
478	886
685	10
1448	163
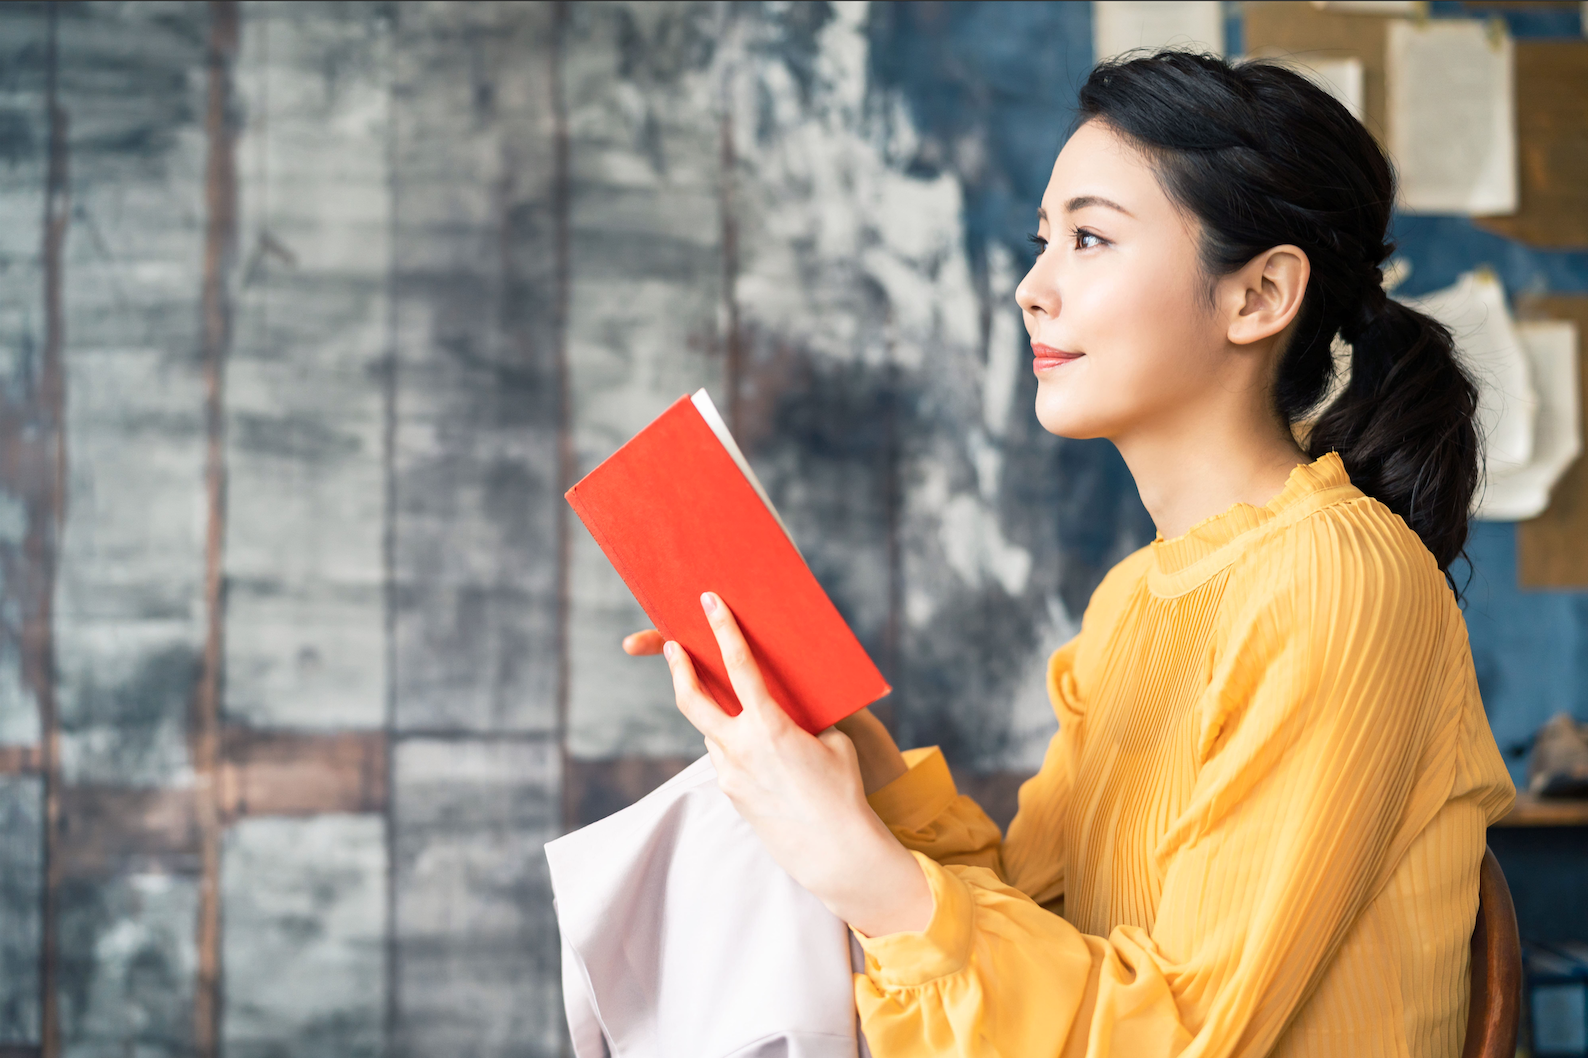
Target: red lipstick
1046	357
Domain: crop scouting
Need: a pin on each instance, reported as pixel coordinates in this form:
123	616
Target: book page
1452	116
708	411
1119	27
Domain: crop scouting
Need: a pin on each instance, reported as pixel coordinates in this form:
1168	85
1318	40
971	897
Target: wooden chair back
1496	969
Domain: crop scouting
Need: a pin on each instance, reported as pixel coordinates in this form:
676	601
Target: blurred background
310	312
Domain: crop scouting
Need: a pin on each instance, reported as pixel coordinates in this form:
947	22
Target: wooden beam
266	773
220	255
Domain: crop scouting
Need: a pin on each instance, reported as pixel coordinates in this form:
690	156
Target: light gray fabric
683	939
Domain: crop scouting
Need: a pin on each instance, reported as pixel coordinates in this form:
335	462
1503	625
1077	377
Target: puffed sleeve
1329	738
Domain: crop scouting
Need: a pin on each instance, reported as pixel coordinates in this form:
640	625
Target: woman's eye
1082	235
1038	241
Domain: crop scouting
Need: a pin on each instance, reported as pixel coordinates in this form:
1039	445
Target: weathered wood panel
477	970
646	310
269	773
304	904
129	588
305	405
24	139
21	906
476	459
127	967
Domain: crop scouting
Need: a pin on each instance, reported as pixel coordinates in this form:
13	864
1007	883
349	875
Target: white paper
1551	347
1193	26
1487	340
708	411
1403	8
1340	77
1452	116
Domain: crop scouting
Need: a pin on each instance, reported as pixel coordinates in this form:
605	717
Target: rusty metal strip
46	501
220	254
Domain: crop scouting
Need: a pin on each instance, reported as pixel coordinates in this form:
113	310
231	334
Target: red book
678	512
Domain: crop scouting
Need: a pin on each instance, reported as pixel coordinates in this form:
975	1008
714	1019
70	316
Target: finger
696	705
643	644
743	672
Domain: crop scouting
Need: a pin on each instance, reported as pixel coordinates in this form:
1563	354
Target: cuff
918	796
904	960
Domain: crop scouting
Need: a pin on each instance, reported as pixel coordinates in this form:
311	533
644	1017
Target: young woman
1259	828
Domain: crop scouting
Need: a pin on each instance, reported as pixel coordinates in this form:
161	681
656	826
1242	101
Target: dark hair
1263	157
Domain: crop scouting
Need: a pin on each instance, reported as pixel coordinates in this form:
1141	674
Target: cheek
1146	339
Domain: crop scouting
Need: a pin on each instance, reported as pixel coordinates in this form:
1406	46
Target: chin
1065	416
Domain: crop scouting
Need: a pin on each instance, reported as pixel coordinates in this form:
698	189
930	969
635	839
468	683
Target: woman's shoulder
1351	555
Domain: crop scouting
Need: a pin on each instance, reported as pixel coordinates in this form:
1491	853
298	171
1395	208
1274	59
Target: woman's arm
802	793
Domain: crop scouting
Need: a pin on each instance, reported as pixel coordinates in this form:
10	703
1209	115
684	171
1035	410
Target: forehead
1098	162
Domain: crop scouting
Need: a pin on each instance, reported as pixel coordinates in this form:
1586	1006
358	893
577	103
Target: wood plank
1277	28
306	641
1552	146
273	773
476	968
305	947
597	788
642	96
19	760
1530	811
128	967
476	459
129	623
21	909
104	831
23	45
1552	549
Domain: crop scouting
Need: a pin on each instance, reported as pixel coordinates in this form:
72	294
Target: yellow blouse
1258	830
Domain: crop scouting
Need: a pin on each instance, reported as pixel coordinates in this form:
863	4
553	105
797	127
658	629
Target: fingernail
670	649
708	602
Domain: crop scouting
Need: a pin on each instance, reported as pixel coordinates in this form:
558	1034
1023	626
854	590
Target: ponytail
1404	426
1263	157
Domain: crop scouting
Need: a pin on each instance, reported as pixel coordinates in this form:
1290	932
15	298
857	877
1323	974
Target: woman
1259	828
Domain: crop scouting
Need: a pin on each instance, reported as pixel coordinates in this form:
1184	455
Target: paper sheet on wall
1452	116
1551	348
1491	348
1341	78
1119	27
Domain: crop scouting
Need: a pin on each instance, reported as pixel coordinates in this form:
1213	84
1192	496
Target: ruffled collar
1189	560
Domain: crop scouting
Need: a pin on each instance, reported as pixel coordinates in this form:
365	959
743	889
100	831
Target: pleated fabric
1258	830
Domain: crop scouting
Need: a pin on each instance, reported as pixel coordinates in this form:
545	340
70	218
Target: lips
1046	358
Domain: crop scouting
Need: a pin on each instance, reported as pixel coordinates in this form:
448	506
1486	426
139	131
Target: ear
1264	296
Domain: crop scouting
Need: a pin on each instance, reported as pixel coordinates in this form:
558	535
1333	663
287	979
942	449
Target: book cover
678	511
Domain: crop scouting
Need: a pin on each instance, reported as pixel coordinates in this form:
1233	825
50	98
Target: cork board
1552	549
1552	146
1278	29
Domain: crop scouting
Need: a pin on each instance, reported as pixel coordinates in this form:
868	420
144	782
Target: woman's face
1116	304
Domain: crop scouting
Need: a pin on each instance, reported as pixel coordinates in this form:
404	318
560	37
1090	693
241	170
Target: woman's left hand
801	793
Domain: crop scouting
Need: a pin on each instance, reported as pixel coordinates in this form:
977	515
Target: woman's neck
1193	473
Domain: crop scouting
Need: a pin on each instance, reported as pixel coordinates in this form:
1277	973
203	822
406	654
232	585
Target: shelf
1529	811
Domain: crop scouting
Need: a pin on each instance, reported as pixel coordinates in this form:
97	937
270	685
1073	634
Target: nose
1038	292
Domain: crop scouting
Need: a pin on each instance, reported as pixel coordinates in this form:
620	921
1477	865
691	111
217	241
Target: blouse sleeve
930	816
1327	742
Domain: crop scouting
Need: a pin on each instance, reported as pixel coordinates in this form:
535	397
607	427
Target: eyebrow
1081	202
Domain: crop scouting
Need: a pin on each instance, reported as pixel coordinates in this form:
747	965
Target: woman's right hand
880	759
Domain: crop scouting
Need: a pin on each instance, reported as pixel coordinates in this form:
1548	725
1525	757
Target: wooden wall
309	313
